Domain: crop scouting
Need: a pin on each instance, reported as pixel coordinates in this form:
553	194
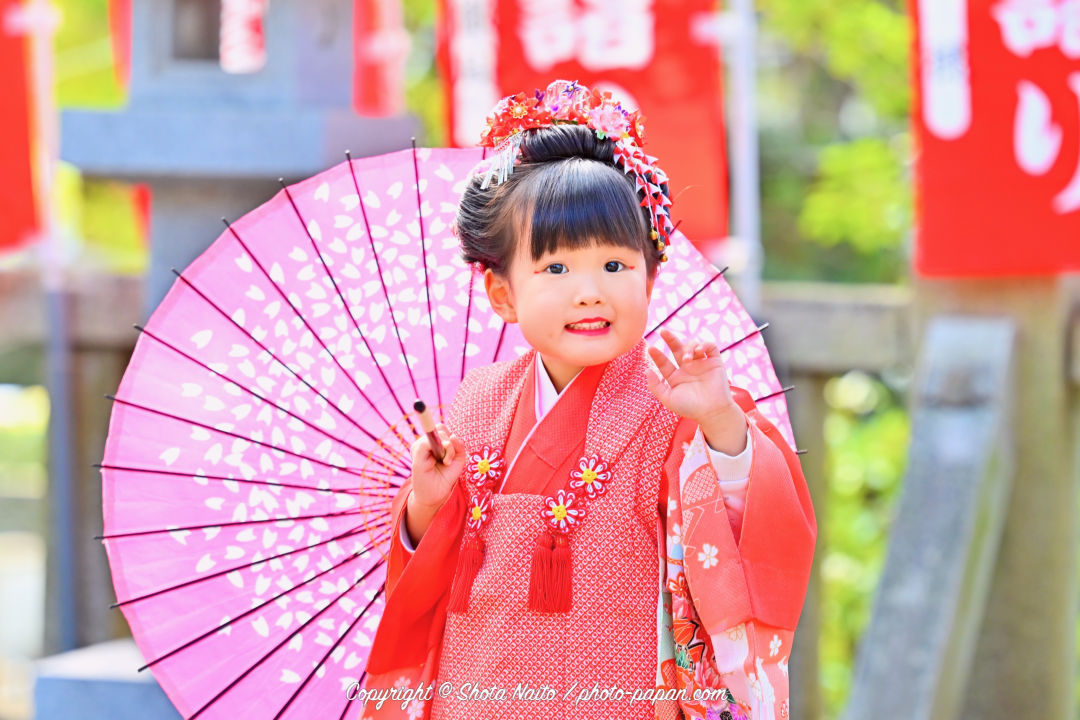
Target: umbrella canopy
261	429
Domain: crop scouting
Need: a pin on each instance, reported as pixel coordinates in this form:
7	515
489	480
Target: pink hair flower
608	121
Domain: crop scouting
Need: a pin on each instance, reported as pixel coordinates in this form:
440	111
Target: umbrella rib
235	681
468	314
322	661
386	297
235	523
771	395
180	648
348	533
242	386
498	345
270	352
423	261
247	439
697	292
344	302
225	478
756	331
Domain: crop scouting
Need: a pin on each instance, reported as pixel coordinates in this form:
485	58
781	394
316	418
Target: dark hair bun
566	192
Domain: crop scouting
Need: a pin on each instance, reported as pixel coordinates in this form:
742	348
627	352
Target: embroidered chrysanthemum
591	475
484	466
564	512
479	508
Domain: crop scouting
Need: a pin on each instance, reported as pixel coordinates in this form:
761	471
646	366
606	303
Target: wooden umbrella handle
427	422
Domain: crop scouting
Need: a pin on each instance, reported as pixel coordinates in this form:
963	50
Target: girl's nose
588	294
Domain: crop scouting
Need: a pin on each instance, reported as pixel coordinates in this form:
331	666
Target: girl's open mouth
592	327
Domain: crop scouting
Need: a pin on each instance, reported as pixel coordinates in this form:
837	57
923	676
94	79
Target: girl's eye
556	268
614	266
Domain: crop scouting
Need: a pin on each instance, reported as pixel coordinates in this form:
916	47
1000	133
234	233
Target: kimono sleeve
762	574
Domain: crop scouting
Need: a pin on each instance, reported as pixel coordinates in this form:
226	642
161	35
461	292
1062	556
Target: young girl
610	534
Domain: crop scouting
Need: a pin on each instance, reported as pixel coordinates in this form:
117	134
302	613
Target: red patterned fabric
610	636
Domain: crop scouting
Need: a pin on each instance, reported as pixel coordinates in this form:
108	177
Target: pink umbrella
261	429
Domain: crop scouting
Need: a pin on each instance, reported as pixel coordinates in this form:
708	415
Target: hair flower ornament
570	103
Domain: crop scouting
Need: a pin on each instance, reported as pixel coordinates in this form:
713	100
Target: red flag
645	51
997	122
380	49
18	210
242	43
120	34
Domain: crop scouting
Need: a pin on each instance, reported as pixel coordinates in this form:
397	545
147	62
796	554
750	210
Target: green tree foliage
835	151
834	89
866	437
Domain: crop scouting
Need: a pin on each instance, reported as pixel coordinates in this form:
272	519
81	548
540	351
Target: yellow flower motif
559	511
483	466
477	513
518	110
592	474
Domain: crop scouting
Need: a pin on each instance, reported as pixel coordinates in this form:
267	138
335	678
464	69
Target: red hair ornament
570	103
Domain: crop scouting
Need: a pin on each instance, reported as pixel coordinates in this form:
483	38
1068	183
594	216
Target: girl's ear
498	292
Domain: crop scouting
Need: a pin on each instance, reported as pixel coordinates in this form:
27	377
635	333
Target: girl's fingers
665	365
673	341
655	382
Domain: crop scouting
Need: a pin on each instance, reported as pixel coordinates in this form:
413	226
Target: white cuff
733	468
405	539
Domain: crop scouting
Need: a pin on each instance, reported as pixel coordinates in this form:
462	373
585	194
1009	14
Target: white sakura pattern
707	556
774	646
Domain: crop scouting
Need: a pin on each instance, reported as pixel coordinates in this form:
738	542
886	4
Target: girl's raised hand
697	388
432	481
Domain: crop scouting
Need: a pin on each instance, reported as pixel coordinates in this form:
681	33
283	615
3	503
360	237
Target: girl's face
575	307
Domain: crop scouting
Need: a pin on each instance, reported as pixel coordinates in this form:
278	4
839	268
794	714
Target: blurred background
873	166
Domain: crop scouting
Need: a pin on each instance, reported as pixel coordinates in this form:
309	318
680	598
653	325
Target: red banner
120	36
998	131
18	211
381	49
645	51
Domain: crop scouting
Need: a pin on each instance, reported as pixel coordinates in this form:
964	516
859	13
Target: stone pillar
1025	659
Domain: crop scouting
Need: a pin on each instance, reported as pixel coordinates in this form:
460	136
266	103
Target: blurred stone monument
211	143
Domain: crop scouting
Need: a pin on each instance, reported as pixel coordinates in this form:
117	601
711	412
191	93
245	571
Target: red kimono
665	612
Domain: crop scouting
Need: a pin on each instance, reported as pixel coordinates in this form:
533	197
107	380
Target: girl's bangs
578	203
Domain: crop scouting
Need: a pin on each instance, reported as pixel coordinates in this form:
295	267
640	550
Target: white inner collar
546	395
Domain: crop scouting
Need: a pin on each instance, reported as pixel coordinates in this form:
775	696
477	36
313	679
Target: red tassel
561	579
469	562
540	577
550	581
